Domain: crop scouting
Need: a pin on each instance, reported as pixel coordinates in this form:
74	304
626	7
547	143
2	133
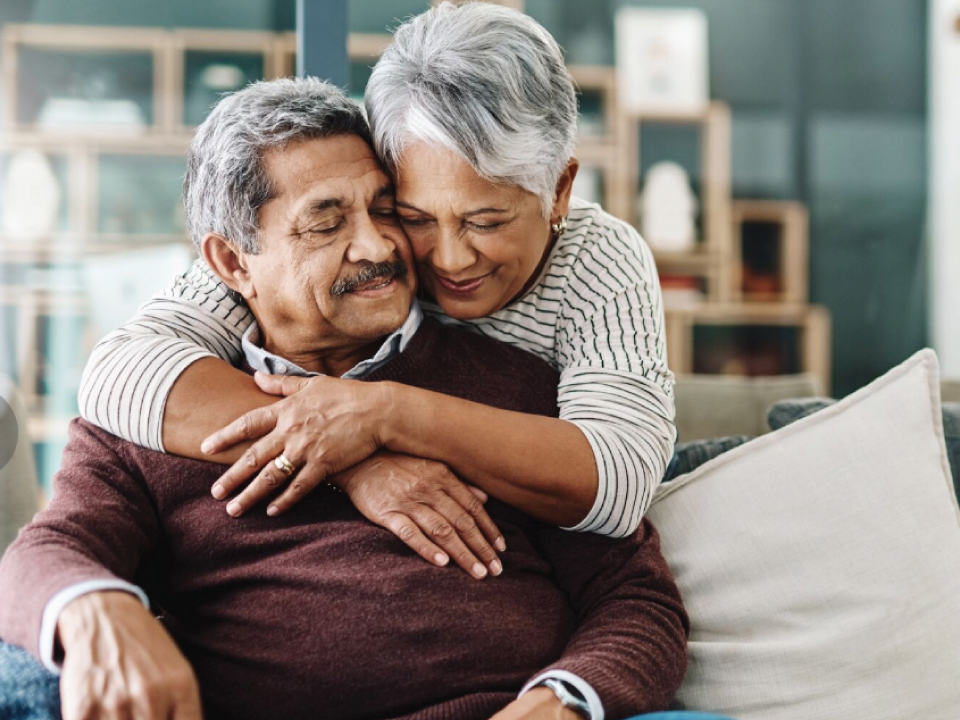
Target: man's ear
229	264
561	203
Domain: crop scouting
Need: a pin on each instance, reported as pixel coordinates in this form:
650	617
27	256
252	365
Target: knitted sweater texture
320	614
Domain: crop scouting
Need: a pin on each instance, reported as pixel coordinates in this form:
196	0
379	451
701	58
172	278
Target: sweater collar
260	360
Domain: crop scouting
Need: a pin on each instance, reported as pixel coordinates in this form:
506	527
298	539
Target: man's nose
452	254
370	243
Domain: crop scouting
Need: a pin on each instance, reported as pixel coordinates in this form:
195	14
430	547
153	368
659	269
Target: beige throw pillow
820	564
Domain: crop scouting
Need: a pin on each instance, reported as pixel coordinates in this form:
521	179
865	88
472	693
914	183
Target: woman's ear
229	264
561	203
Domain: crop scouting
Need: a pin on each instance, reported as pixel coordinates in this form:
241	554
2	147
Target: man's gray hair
484	81
226	183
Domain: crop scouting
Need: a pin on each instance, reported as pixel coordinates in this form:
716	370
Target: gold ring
284	465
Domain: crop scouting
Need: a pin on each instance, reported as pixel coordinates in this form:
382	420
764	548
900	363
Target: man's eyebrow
469	213
322	204
384	191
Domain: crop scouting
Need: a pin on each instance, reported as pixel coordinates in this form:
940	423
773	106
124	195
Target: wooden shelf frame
714	122
605	152
793	219
812	321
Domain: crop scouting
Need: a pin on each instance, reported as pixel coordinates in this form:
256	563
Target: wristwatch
569	697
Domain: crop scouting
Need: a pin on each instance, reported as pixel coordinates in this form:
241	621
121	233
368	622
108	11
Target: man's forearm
540	465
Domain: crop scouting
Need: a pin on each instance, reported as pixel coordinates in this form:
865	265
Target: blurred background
795	164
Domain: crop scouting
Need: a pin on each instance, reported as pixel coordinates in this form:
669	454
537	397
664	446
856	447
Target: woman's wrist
408	420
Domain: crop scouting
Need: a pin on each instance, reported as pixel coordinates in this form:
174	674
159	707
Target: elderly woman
475	116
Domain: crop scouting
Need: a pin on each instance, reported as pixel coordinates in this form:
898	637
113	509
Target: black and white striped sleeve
131	371
615	384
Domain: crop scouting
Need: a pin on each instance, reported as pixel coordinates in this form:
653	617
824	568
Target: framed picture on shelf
662	60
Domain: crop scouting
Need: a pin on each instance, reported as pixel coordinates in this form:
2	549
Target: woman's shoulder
589	223
598	244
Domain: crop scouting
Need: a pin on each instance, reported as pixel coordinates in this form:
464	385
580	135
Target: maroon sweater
319	613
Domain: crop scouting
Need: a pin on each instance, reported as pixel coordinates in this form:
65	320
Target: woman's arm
143	380
542	466
596	468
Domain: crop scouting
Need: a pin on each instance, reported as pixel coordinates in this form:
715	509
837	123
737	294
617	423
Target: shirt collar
395	343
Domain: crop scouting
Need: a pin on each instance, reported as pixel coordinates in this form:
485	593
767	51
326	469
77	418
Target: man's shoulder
461	361
91	442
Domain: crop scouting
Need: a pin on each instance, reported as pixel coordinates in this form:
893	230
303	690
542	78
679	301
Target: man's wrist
78	620
547	699
568	696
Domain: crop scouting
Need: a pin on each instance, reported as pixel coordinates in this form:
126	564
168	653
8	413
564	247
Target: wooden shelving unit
613	149
711	260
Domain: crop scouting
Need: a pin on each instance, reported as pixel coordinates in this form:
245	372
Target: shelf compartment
770	251
709	339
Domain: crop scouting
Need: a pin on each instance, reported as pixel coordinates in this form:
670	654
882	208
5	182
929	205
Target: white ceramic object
668	209
31	197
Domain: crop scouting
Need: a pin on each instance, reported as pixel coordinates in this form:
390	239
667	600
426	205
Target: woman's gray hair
226	183
484	81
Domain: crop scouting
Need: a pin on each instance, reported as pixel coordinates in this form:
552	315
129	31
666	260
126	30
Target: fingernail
206	447
479	570
441	559
500	544
233	509
218	492
496	568
273	510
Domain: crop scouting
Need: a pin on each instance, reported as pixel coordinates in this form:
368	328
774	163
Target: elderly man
318	613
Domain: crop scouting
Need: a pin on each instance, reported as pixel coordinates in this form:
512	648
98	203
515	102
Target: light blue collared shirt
395	343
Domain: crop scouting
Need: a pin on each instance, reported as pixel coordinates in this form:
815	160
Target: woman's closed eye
414	222
485	227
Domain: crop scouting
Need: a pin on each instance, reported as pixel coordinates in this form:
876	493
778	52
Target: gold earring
560	227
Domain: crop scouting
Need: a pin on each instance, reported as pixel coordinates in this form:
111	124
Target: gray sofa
19	490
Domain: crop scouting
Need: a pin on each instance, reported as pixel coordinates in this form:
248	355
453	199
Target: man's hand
424	504
540	703
120	664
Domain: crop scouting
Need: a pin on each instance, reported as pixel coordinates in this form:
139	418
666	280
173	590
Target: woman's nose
452	254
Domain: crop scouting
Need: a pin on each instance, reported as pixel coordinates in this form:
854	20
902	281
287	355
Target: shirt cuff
51	613
577	682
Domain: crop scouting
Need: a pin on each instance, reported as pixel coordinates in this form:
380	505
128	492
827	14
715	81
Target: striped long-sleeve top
595	313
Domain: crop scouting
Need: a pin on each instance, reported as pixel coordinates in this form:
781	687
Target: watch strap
569	697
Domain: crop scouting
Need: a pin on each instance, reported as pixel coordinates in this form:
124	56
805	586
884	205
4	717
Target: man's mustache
392	269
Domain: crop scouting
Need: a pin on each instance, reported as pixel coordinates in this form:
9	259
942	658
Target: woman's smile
461	287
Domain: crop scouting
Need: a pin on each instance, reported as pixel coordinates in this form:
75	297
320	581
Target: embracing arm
164	379
540	465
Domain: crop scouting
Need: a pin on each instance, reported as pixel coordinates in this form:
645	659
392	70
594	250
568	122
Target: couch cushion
787	411
820	564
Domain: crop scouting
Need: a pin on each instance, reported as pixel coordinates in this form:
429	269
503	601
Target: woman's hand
425	505
321	427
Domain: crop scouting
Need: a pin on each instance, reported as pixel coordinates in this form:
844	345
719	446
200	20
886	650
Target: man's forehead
343	165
